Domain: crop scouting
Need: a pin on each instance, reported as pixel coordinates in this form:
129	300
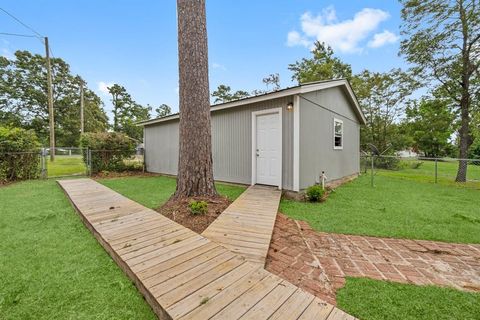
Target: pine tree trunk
464	132
195	165
465	142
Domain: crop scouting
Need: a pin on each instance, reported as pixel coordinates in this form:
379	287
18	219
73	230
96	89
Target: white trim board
335	120
296	143
254	143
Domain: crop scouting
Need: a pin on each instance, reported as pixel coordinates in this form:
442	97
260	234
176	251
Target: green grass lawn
396	207
377	300
446	173
153	191
66	166
51	267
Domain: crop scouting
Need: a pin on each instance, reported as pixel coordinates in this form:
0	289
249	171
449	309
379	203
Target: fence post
372	170
89	162
436	170
43	163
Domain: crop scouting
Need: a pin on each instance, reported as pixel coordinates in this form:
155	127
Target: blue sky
134	43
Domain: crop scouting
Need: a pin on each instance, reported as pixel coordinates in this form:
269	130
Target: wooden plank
177	260
152	279
271	302
180	292
170	248
246	226
146	264
206	294
155	247
317	310
294	306
226	296
185	277
246	301
338	314
177	270
156	238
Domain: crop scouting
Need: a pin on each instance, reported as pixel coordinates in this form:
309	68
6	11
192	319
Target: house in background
284	138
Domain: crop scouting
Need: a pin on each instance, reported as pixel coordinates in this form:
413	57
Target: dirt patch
178	211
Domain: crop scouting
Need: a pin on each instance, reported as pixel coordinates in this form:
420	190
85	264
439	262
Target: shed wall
231	143
316	137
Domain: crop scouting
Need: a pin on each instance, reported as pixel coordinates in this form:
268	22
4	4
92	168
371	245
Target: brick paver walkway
319	262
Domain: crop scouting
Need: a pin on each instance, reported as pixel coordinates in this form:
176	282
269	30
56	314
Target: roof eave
304	88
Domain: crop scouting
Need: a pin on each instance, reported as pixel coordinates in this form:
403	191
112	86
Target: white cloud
344	36
103	87
296	39
218	66
6	53
383	38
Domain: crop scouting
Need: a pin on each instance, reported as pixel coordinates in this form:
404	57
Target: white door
268	149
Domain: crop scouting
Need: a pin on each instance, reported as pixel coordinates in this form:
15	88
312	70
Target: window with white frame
337	134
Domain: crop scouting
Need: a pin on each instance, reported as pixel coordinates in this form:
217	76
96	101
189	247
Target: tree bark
464	132
195	164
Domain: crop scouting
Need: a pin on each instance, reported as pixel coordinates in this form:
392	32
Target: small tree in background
430	124
126	113
163	110
323	65
442	41
224	94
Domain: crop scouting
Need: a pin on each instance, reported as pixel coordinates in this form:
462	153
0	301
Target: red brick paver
319	262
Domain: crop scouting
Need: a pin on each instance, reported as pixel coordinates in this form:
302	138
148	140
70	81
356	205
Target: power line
18	35
22	23
328	109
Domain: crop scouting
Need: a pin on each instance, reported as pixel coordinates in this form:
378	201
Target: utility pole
81	108
50	102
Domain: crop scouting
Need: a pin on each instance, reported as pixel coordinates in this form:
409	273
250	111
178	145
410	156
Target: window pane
338	141
338	128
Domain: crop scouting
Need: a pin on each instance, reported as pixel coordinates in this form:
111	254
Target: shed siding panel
231	143
161	148
316	137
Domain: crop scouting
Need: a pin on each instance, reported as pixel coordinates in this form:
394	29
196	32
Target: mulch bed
178	211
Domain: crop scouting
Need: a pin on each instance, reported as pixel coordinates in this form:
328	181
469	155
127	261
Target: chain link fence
106	161
422	169
68	162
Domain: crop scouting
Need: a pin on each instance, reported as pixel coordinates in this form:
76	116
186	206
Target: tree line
441	43
23	101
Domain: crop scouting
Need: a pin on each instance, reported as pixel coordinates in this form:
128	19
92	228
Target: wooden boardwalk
246	226
182	274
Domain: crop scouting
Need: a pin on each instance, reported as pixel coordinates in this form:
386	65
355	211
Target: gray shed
284	138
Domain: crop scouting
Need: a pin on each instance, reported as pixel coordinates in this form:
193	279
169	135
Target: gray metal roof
302	88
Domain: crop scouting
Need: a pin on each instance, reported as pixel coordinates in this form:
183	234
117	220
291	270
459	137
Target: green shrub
19	154
389	163
315	193
198	207
108	150
416	164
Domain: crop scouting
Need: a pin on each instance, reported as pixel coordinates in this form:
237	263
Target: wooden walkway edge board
246	226
183	275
